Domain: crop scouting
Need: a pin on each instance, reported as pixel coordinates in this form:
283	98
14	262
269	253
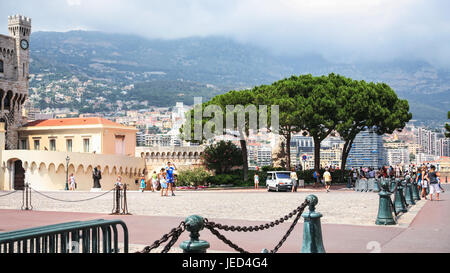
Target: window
52	144
23	144
36	144
69	145
1	66
86	145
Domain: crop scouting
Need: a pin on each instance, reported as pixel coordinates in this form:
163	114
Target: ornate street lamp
67	173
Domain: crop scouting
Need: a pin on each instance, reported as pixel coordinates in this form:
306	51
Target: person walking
294	180
170	176
434	184
316	177
422	182
143	184
163	182
154	181
256	180
327	179
72	183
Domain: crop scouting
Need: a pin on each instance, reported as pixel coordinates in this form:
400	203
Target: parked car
279	181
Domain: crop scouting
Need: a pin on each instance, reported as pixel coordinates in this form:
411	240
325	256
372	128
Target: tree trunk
288	149
316	154
243	143
345	152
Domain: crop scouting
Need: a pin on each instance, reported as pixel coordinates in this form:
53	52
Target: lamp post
67	173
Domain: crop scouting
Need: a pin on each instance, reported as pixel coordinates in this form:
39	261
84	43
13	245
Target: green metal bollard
409	198
194	224
400	203
416	194
312	231
376	187
385	206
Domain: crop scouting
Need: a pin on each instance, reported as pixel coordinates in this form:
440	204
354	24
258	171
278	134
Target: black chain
299	214
260	227
174	234
61	200
8	193
213	226
225	240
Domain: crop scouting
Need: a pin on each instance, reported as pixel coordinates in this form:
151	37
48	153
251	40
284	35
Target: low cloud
347	31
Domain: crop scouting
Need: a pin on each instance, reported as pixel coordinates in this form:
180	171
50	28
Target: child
142	184
154	181
163	182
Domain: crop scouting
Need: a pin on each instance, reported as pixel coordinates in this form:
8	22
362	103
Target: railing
92	236
312	232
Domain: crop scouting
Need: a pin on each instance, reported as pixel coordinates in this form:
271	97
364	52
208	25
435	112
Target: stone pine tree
232	98
283	93
318	108
364	105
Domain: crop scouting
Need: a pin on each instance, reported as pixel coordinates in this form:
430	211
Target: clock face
24	44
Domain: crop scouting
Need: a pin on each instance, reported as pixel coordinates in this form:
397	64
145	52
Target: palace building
44	152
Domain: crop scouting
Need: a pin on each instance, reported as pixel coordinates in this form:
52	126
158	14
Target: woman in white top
72	183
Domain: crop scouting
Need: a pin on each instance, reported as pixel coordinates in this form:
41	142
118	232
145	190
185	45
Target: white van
279	180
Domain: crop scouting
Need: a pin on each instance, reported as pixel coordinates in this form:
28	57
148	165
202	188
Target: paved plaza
348	220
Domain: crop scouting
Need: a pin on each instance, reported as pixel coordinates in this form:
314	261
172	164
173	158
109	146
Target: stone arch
7	100
106	170
89	167
61	168
51	165
42	166
80	169
142	155
113	170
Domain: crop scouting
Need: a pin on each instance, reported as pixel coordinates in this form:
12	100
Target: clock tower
19	27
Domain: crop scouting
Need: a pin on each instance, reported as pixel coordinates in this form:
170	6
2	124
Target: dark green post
400	203
312	231
385	205
416	194
376	187
409	198
194	224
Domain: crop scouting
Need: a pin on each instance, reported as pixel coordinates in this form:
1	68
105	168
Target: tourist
170	176
294	180
434	184
422	182
316	176
143	184
163	182
119	182
256	180
72	183
154	181
327	179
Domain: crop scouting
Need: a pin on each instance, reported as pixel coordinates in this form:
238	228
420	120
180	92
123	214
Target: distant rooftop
73	122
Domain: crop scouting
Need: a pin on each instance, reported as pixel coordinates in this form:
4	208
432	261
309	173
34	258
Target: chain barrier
9	193
174	234
82	200
213	226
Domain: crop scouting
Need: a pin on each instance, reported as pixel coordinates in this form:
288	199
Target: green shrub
193	177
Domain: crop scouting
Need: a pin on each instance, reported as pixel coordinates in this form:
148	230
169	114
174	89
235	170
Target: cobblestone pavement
337	207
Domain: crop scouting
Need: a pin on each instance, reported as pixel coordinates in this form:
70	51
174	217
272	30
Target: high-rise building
367	151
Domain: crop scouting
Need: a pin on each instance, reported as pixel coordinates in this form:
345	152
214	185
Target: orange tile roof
72	121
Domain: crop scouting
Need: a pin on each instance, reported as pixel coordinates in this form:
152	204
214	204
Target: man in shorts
327	179
170	176
434	183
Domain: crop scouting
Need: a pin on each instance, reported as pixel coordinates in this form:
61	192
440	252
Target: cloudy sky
340	30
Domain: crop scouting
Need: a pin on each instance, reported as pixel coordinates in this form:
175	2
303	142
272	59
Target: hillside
127	67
